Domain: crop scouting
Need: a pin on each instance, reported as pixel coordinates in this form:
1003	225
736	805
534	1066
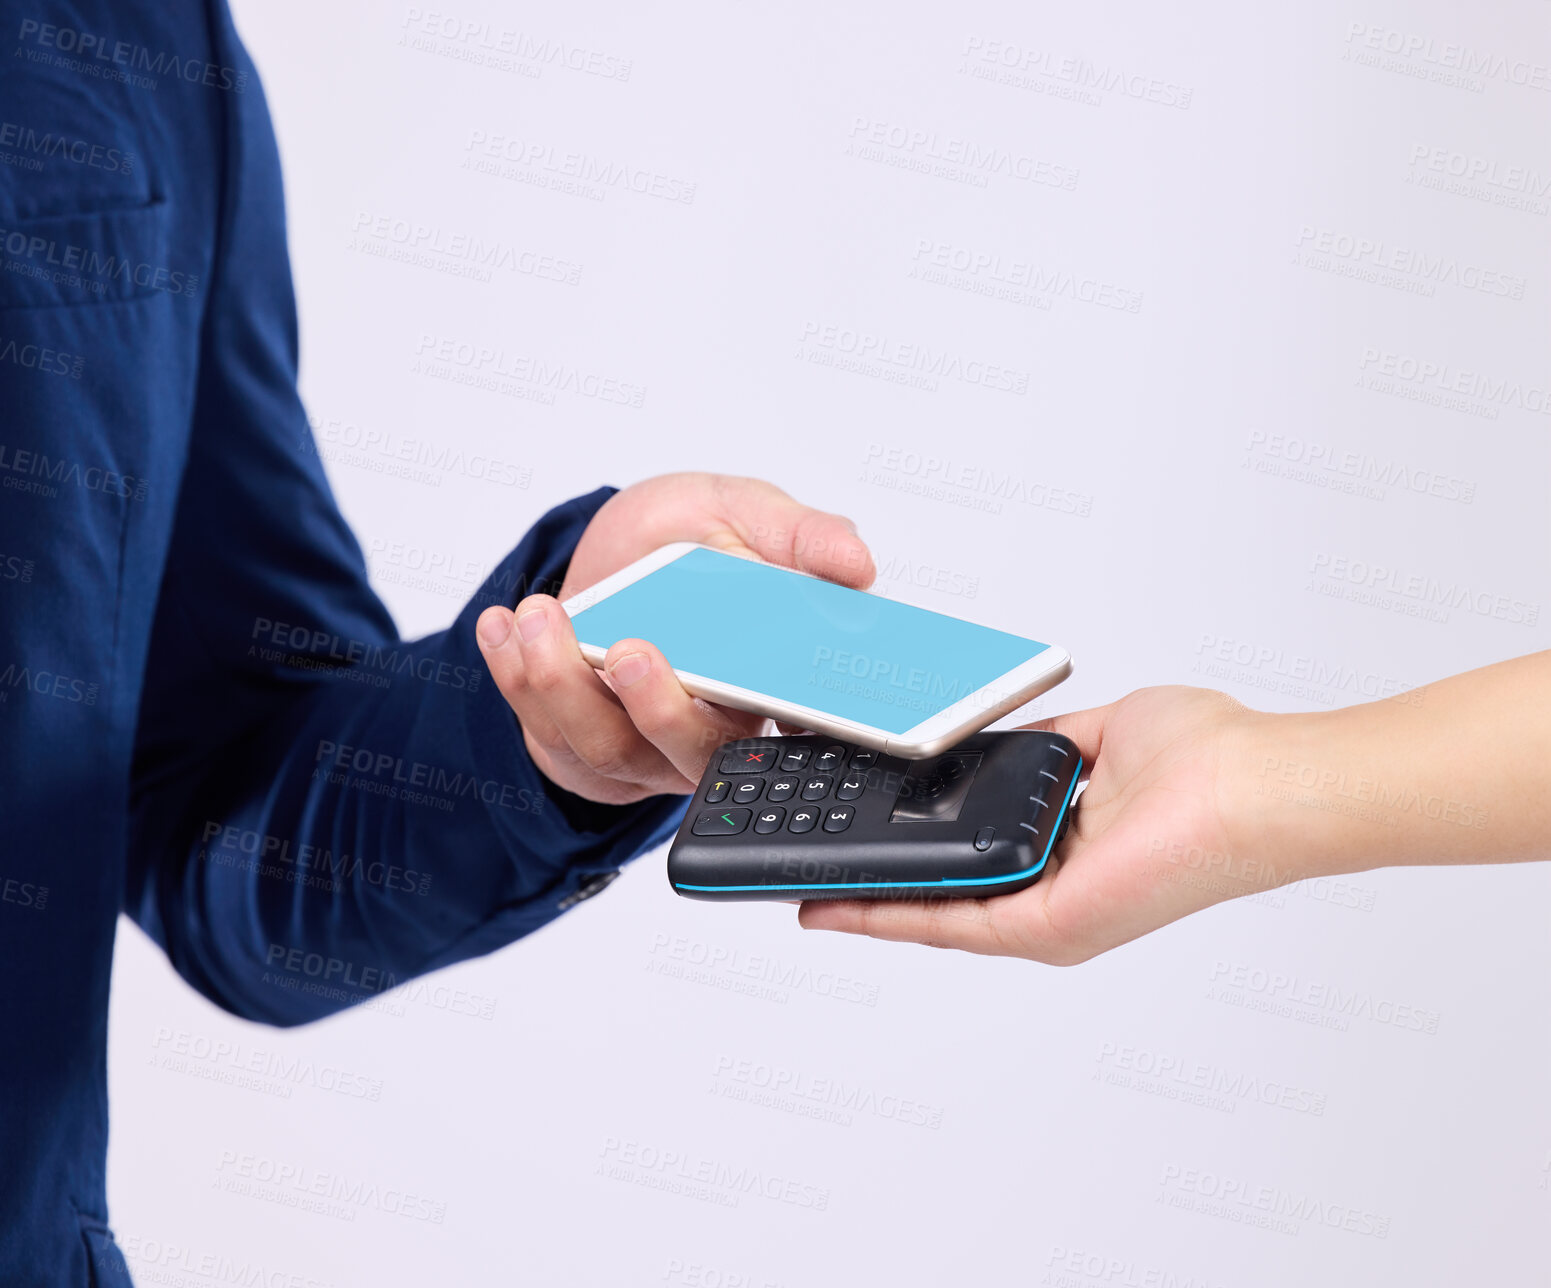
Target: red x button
748	760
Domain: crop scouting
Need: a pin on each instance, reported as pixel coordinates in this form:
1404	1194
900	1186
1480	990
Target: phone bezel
930	737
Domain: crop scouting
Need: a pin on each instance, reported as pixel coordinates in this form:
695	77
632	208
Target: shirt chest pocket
97	358
90	257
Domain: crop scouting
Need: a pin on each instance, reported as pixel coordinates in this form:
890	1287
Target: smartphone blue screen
861	657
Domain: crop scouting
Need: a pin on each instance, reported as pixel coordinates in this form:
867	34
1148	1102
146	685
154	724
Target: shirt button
597	881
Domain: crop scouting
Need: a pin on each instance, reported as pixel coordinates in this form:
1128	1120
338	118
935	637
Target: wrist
1336	792
1273	790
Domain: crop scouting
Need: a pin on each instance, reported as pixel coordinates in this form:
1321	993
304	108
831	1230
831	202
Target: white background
624	1046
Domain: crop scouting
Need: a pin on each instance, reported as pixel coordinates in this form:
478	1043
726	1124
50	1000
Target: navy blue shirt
207	719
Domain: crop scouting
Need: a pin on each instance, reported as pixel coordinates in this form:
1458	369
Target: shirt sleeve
319	809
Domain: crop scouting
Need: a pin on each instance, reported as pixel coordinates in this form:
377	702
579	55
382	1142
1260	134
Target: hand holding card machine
812	818
817	655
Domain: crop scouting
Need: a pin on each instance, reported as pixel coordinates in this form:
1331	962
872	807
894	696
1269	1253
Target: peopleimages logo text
46	143
323	650
1438	270
39	252
90	48
1423	589
976	158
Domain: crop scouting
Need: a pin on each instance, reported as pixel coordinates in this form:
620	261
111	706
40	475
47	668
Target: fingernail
494	626
629	669
531	625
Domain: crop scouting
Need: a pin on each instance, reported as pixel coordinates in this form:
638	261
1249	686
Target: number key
782	788
803	820
828	759
838	820
769	820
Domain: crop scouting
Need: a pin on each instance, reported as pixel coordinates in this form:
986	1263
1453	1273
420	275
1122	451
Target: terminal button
747	760
838	820
781	788
769	820
721	823
851	786
803	820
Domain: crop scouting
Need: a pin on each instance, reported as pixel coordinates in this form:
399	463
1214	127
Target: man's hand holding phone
633	732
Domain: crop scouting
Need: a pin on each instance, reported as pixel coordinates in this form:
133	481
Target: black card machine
811	818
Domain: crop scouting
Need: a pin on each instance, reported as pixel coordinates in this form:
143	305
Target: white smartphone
805	651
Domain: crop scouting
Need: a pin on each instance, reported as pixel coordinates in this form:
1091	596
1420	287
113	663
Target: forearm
376	816
1456	772
386	842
